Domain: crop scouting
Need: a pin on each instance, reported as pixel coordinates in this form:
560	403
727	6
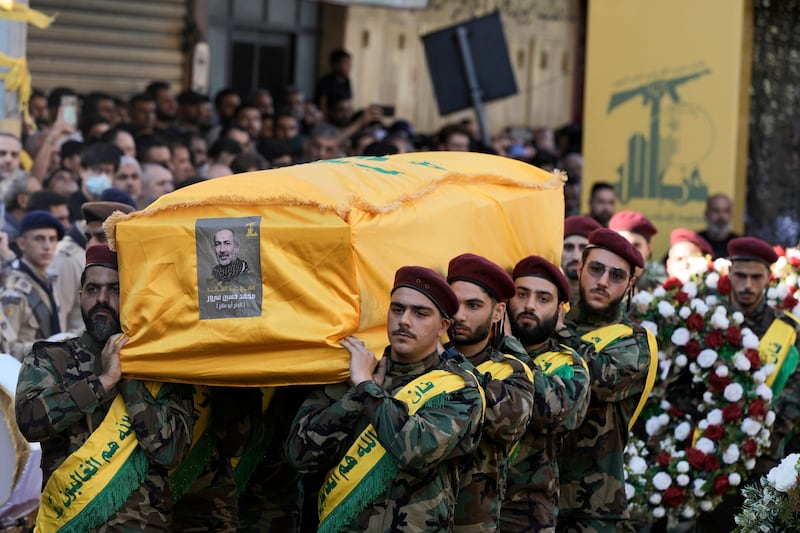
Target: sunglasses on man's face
615	275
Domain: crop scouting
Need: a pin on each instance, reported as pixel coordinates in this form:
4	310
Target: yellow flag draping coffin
252	279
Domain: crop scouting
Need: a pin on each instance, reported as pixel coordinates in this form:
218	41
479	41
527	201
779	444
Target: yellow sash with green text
604	336
777	348
97	479
366	469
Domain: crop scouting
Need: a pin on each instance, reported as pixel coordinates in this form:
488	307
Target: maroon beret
617	244
685	235
431	284
751	249
539	267
100	211
480	271
101	255
580	225
634	222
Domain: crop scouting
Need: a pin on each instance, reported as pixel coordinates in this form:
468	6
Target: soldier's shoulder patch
21	284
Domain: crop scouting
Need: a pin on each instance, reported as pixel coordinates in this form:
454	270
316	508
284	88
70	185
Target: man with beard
622	369
561	396
482	289
576	236
30	308
719	214
395	437
749	275
602	202
107	441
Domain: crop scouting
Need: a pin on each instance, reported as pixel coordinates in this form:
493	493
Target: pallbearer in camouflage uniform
107	442
751	259
560	399
622	369
394	437
482	288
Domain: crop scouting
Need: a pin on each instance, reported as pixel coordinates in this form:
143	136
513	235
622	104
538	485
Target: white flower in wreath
702	425
722	371
706	358
712	300
663	418
749	339
750	464
796	308
784	476
698	265
666	309
655	498
659	512
650	326
642	301
782	290
711	280
684	312
751	427
706	505
764	392
659	292
759	377
738	317
770	418
722	264
734	479
637	465
697	487
741	362
682	480
708	397
705	445
687	512
772	293
768	369
652	426
681	361
699	306
714	417
662	481
630	491
733	392
731	454
719	320
680	337
690	288
682	431
683	467
765	435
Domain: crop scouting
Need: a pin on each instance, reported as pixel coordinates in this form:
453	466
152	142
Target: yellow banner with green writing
252	279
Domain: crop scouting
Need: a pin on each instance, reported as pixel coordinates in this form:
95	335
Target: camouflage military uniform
210	504
60	402
784	438
591	461
429	447
28	309
559	404
272	499
508	408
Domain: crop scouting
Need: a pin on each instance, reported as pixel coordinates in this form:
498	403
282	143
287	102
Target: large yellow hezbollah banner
666	107
252	279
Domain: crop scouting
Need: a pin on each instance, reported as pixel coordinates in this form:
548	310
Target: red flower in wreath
731	412
672	283
692	349
734	335
754	358
696	458
714	432
721	484
750	447
673	496
757	409
714	339
695	322
717	383
724	285
663	459
681	297
712	463
789	302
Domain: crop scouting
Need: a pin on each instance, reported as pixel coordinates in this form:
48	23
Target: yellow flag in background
252	279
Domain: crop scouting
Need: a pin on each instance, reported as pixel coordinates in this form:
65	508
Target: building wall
389	65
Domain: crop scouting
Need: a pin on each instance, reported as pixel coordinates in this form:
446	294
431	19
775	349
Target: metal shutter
108	45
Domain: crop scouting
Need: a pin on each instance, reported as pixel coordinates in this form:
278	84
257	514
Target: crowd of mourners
518	422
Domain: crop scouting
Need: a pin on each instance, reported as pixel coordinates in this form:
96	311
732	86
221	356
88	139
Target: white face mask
97	183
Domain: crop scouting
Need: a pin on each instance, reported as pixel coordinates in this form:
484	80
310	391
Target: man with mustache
719	215
233	276
107	441
576	236
749	275
560	399
30	307
482	288
394	438
622	367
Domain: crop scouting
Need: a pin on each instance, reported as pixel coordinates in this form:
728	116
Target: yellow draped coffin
252	279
